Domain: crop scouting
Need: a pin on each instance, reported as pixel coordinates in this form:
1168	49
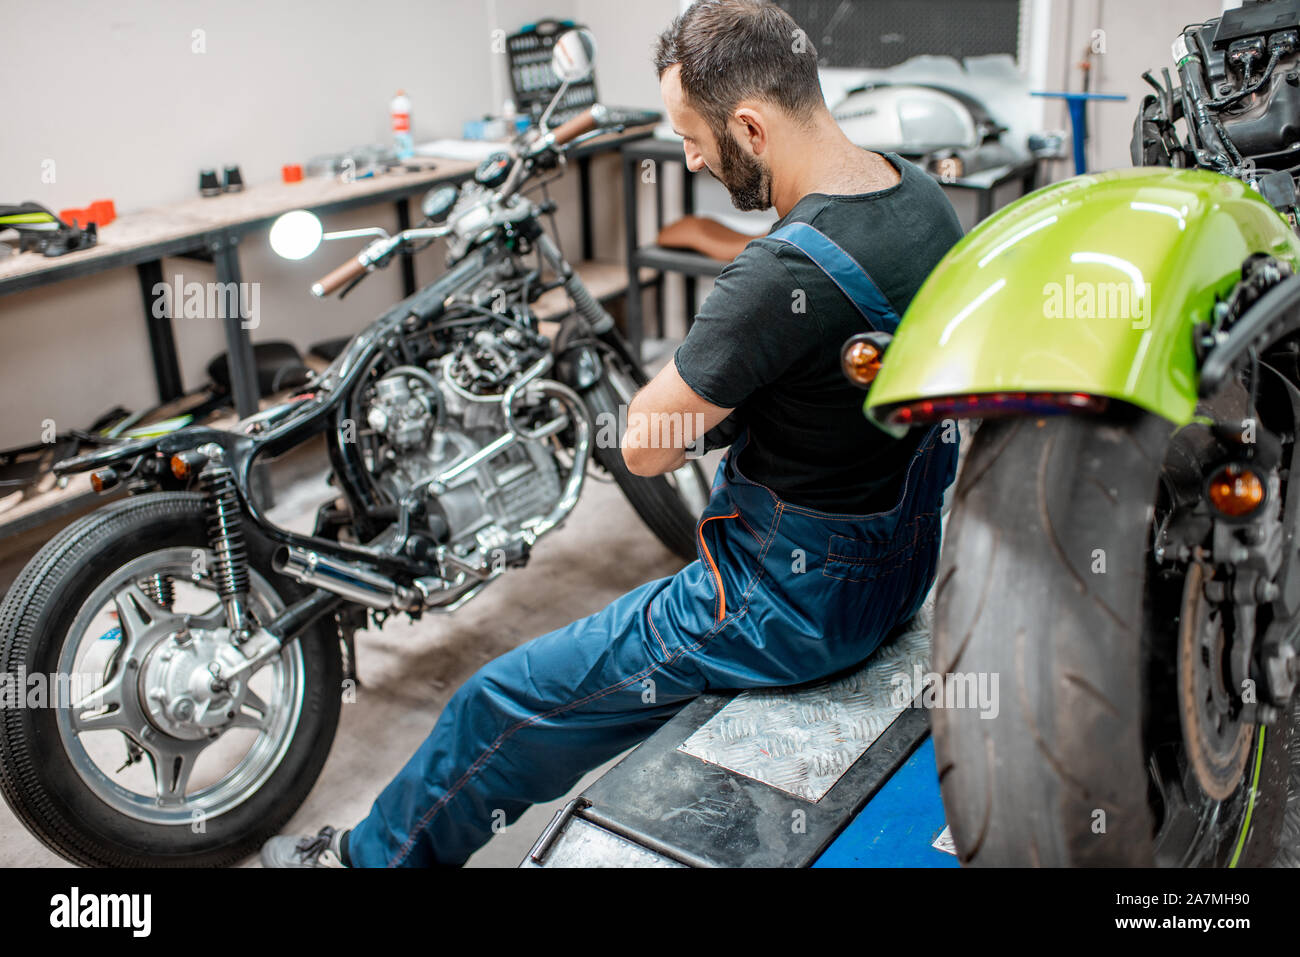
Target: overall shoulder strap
843	270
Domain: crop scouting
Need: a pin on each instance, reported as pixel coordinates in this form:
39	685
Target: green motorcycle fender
1089	286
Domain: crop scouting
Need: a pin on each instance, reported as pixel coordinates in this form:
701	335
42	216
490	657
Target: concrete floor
408	671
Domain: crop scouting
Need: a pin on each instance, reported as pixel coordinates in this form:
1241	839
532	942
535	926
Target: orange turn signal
1236	490
181	467
860	359
101	480
185	465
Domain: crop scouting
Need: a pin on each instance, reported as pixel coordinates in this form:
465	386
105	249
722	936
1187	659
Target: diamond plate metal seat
762	778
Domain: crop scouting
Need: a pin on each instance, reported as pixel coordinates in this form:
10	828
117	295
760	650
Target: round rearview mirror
296	234
574	55
438	203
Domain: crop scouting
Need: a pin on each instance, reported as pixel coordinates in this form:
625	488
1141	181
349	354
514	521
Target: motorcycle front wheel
116	748
671	504
1104	742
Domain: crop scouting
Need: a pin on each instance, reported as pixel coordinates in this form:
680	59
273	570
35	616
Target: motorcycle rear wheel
57	785
1045	582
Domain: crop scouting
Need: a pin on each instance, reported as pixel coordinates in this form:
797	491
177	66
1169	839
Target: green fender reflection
1092	285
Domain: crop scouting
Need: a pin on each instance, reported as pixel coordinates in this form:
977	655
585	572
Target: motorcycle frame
312	416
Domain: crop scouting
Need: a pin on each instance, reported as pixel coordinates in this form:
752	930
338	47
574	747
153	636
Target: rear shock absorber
226	536
162	589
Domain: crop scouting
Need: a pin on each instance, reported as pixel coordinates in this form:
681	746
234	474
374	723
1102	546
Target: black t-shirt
767	343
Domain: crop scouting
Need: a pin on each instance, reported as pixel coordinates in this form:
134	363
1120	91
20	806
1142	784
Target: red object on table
291	172
101	212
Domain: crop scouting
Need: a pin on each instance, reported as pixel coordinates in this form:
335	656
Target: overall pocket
861	558
711	562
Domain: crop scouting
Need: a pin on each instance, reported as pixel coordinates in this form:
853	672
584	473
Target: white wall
115	94
626	34
137	113
1138	37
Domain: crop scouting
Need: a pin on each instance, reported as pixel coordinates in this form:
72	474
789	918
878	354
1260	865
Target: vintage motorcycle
1122	547
192	652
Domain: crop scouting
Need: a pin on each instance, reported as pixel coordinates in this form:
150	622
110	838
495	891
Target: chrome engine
468	450
481	455
430	426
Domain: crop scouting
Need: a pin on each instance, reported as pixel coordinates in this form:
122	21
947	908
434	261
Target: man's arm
663	421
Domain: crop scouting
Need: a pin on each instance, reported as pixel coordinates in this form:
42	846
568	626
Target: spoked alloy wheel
147	748
159	666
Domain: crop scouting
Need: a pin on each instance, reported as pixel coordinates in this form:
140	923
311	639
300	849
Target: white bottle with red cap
400	110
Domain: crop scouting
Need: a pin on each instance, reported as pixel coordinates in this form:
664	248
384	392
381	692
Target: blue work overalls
780	594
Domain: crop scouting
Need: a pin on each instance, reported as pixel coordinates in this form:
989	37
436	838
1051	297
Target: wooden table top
169	229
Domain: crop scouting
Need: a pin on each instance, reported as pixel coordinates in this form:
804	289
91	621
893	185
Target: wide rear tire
1043	584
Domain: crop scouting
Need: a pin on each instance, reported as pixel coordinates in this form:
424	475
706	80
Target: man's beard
747	180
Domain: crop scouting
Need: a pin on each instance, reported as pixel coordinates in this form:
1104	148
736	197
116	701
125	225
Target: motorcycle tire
656	501
1043	582
38	778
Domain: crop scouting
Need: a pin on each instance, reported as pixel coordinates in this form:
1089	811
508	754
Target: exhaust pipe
353	582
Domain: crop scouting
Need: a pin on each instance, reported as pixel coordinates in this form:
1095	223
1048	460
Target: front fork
598	322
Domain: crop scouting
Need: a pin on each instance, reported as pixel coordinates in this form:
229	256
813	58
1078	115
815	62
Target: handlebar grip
571	129
340	277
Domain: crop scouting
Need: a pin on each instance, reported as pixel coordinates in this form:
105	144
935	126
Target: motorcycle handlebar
374	254
340	277
571	129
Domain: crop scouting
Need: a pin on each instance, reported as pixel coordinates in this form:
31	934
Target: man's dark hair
733	50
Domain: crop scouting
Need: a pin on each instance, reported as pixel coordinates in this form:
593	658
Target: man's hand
664	420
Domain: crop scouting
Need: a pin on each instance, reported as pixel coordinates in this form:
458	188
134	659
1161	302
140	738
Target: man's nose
694	159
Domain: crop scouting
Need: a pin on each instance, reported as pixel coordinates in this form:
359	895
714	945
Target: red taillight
992	405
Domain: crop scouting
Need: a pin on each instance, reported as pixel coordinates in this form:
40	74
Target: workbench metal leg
162	342
239	348
692	283
635	333
984	205
584	195
659	227
408	263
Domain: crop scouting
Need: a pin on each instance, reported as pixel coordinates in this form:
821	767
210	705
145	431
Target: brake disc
1218	744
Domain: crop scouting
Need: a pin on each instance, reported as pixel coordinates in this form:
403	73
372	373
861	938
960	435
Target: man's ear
750	127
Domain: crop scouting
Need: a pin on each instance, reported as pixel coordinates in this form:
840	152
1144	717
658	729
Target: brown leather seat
704	235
